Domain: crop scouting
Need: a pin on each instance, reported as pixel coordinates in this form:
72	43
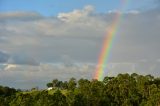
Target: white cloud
76	15
10	67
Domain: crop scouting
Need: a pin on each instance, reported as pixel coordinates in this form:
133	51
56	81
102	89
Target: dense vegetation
123	90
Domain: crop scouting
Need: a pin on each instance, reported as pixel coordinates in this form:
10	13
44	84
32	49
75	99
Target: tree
49	85
122	90
96	89
59	84
72	84
54	82
59	99
107	79
65	85
84	86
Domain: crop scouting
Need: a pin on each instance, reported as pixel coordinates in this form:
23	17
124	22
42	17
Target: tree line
122	90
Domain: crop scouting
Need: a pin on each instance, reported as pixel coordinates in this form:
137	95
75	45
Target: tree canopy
122	90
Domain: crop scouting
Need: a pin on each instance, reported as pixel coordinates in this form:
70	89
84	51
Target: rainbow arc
108	43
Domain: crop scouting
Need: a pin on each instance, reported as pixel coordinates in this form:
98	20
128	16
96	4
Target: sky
54	7
41	40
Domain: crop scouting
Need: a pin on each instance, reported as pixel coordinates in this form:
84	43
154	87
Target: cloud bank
41	48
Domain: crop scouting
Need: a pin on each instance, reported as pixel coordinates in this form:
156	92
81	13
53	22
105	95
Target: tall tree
72	84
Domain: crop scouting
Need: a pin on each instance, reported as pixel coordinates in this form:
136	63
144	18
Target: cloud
19	16
76	15
10	66
157	2
63	46
80	35
26	77
23	60
14	60
3	57
22	76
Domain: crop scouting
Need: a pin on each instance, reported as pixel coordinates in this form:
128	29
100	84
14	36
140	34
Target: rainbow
108	43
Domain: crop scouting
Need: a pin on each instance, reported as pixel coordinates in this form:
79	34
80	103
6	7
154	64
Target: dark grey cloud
23	60
20	59
3	57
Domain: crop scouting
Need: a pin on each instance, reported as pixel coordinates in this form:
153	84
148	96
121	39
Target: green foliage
6	91
123	90
49	85
72	84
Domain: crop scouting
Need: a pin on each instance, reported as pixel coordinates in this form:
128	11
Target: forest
121	90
